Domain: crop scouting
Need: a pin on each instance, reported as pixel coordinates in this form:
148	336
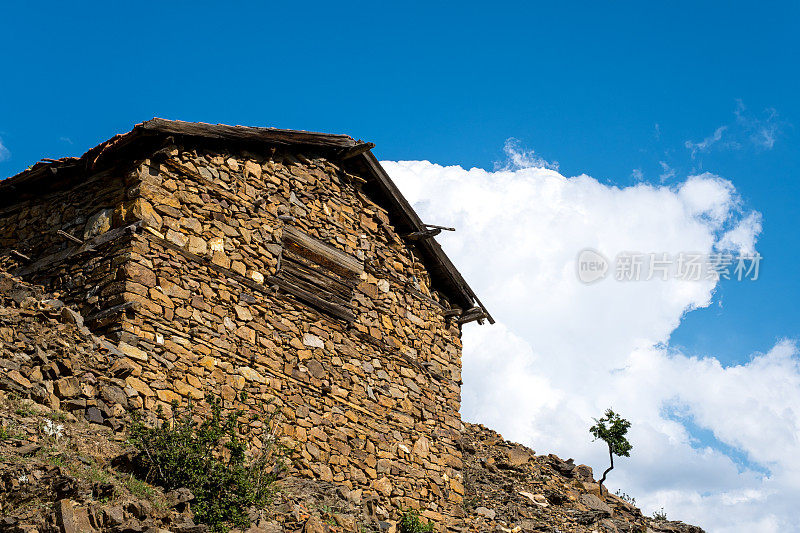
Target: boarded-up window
318	273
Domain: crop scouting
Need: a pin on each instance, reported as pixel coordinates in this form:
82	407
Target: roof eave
357	154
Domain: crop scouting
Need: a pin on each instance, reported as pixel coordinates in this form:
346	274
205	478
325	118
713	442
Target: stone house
284	264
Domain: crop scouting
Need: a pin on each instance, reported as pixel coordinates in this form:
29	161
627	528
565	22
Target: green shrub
411	522
209	459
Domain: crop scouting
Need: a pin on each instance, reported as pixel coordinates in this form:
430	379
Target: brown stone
316	369
73	520
19	379
143	210
422	447
243	313
67	387
251	375
124	367
594	503
518	457
253	169
196	245
98	223
184	389
166	395
132	351
177	238
207	362
315	525
139	386
139	274
313	341
383	485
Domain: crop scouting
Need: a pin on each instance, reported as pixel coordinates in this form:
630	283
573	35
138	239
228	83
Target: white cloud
762	132
563	351
519	157
706	144
746	129
667	172
710	197
4	153
742	236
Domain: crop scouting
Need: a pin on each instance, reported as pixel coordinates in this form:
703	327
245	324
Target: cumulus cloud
742	236
713	444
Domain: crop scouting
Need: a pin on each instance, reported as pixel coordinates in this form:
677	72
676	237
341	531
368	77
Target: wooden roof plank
248	133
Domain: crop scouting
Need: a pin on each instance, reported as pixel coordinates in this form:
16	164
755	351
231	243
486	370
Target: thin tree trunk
609	469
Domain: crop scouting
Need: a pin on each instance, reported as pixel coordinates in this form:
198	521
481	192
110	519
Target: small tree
612	429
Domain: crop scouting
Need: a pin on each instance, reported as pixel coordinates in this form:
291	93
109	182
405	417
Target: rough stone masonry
257	264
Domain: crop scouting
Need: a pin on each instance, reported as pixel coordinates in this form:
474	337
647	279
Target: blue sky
603	89
624	92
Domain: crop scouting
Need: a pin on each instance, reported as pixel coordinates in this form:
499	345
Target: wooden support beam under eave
471	315
358	149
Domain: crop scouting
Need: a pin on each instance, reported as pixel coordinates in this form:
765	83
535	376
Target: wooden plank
316	290
112	311
321	252
324	283
69	236
312	299
348	281
247	134
470	315
353	151
20	255
87	246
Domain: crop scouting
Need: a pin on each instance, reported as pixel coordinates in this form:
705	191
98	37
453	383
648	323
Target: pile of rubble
49	356
62	405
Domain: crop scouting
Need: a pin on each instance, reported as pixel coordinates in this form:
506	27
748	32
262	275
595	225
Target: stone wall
74	240
196	295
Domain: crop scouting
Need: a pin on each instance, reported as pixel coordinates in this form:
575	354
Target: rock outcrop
510	488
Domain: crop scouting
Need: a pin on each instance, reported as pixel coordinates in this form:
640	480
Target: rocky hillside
65	458
510	488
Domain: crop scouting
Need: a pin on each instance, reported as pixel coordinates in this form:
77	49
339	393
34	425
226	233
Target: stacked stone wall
75	240
189	285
